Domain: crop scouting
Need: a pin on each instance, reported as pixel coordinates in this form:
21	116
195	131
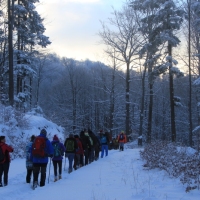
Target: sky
73	26
119	176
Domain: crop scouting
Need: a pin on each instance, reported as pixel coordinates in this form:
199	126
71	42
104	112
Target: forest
149	87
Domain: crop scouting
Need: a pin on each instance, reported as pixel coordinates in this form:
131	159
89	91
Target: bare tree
125	39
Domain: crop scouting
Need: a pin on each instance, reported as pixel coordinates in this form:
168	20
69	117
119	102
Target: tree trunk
190	81
171	91
112	99
142	102
150	112
10	41
128	100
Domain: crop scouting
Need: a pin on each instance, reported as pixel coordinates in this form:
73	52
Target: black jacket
85	141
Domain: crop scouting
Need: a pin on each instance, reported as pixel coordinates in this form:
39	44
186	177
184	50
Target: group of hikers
79	149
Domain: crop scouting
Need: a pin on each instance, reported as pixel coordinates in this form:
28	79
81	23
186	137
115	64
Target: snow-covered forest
150	86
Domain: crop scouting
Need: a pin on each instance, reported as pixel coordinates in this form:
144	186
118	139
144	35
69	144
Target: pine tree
160	19
30	33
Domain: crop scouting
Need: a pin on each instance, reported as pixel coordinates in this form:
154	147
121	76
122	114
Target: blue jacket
62	150
48	150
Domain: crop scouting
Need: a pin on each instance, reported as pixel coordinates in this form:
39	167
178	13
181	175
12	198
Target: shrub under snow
179	162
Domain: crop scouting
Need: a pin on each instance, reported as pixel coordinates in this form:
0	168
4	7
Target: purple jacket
61	148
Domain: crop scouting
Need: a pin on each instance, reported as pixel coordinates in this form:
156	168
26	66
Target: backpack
70	145
39	146
57	152
91	141
121	137
2	155
103	140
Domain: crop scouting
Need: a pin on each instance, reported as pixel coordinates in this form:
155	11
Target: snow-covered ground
120	176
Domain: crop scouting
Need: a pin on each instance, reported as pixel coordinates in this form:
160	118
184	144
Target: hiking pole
49	169
65	163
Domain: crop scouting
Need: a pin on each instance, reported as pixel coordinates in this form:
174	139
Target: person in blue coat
40	151
58	153
104	144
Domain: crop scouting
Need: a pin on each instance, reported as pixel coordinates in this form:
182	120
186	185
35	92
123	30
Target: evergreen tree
30	33
159	20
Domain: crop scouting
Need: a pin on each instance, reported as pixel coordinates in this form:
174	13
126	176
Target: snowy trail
120	176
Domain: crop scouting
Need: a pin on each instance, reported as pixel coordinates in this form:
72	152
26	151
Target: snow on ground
119	176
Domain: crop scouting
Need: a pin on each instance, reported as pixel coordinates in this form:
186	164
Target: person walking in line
79	153
5	160
86	146
122	139
104	139
29	162
71	147
40	151
91	146
96	145
58	152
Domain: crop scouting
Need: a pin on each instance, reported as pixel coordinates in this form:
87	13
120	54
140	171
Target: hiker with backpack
40	151
4	160
58	152
96	146
29	162
71	147
78	158
86	145
104	139
93	140
122	140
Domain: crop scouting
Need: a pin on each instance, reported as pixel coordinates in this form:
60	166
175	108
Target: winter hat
71	135
2	137
43	131
32	138
55	137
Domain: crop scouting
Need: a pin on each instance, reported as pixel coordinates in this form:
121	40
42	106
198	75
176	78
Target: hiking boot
1	185
60	177
55	179
35	184
69	171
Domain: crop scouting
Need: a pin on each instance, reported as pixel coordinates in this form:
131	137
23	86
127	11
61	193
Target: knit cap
55	137
43	131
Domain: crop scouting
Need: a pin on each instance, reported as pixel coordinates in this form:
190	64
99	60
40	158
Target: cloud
73	26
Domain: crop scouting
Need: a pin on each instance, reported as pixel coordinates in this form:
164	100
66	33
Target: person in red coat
122	140
5	164
78	158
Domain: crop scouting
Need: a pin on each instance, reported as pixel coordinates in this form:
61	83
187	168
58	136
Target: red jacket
124	140
6	149
80	147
